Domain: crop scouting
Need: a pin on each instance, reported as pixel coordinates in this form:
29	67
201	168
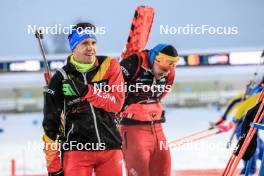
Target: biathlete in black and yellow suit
239	106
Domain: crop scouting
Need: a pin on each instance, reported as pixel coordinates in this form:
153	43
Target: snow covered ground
21	140
204	154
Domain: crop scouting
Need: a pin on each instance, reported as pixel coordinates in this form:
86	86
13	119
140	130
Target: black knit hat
170	51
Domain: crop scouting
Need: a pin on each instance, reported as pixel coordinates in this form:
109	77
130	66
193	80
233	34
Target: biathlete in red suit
91	142
149	76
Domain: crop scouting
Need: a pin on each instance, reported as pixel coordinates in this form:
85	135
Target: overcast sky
246	16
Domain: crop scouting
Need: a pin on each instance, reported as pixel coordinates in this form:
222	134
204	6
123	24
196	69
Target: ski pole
255	74
259	64
195	137
228	145
229	163
231	166
47	74
231	138
194	134
175	143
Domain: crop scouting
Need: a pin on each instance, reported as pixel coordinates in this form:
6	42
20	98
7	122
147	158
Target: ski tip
145	7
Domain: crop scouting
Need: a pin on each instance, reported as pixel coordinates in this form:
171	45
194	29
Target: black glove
220	121
74	87
59	173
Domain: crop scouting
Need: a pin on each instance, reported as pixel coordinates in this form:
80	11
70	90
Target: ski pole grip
47	77
39	34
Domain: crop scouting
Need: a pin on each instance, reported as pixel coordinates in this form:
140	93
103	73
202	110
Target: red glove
225	128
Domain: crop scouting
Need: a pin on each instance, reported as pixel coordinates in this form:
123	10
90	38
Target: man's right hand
225	128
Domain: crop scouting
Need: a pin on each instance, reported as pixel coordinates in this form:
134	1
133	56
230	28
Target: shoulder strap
139	55
63	73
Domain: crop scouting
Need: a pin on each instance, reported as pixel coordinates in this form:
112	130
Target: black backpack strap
63	73
140	61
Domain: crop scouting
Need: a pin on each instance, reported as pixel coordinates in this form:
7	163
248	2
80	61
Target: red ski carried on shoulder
139	31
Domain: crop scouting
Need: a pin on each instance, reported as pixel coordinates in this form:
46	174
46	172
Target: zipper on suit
95	124
84	78
93	112
69	132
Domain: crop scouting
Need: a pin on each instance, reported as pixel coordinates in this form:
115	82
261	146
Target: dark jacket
89	119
